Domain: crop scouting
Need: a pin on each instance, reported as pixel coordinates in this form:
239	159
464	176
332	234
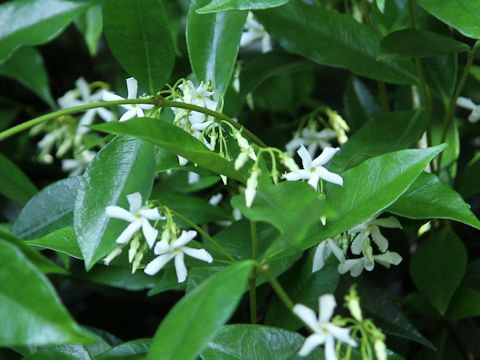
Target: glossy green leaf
316	37
465	304
62	240
441	75
26	66
175	140
41	262
370	188
125	166
51	209
245	341
14	184
129	350
222	5
463	15
419	43
213	41
386	132
277	204
438	266
32	314
195	319
138	34
34	22
91	25
467	182
430	198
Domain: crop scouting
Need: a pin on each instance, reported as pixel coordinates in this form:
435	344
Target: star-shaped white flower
324	332
372	228
323	251
313	170
133	110
254	31
176	250
312	140
82	95
76	166
367	262
138	217
470	105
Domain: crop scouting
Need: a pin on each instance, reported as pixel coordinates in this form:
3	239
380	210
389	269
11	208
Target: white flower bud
380	350
112	255
251	190
134	246
289	163
241	160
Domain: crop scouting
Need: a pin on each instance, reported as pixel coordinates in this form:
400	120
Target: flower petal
162	247
329	176
82	86
185	238
330	353
341	334
465	103
390	222
319	256
151	214
105	114
305	156
200	254
119	213
157	264
149	232
349	264
132	88
358	242
307	315
139	112
326	305
294	144
297	175
135	202
86	120
327	154
130	114
314	179
379	239
108	96
389	258
127	234
336	250
311	343
180	268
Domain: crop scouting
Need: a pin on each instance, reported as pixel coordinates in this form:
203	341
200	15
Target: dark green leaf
463	15
130	350
213	41
138	34
175	140
316	37
62	240
14	184
26	66
419	43
91	25
441	75
430	198
467	182
386	132
222	5
195	319
125	166
32	314
465	304
51	209
438	266
34	22
245	341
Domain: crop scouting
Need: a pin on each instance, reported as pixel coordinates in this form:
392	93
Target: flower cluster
359	240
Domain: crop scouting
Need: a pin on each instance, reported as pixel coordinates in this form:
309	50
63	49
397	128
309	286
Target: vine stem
252	280
158	101
204	234
277	287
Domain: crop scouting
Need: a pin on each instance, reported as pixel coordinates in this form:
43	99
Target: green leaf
41	262
386	132
34	22
125	166
465	304
175	140
463	15
62	240
278	204
14	184
26	66
441	75
51	209
195	319
467	183
138	34
429	198
128	350
222	5
91	25
370	188
245	341
32	314
213	41
316	37
438	266
419	43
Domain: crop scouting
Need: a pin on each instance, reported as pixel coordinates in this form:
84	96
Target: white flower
470	105
215	199
323	251
76	166
312	140
254	31
313	170
371	228
251	189
324	332
81	96
246	151
138	217
367	262
193	177
177	249
133	110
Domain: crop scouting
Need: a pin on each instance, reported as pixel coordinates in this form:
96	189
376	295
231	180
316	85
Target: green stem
252	280
204	234
277	287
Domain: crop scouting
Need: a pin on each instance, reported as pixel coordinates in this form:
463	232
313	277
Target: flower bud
112	255
251	190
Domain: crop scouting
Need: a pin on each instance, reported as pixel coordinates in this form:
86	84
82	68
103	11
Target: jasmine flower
253	31
367	262
76	166
312	140
324	250
470	105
